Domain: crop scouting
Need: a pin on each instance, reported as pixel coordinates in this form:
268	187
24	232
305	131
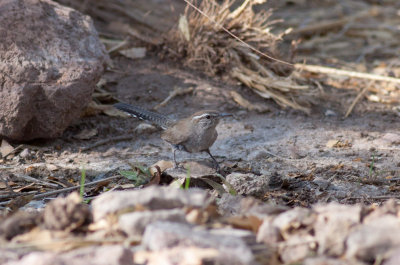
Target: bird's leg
175	164
214	160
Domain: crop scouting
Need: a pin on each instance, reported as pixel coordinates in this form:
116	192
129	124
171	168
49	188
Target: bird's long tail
156	118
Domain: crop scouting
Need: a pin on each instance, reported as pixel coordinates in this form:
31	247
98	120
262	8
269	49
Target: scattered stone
52	67
249	184
292	220
164	235
296	248
150	198
134	53
330	261
96	255
330	113
376	238
46	258
177	255
7	255
99	255
66	213
19	223
51	167
333	224
25	153
229	205
389	207
134	224
268	233
394	258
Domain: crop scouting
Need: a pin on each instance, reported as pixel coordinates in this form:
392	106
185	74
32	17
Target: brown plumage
196	133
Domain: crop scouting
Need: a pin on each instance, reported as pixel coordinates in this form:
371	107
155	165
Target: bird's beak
225	114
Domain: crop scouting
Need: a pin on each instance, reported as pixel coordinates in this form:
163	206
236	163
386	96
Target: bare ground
316	158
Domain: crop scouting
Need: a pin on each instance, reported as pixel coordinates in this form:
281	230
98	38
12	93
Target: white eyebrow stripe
203	115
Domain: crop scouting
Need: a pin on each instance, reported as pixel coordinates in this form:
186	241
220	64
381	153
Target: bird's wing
177	134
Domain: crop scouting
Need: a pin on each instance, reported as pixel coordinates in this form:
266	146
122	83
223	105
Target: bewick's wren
193	134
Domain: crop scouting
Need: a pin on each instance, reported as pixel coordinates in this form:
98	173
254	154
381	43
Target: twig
14	195
4	179
41	182
54	192
178	91
15	150
380	197
361	94
106	141
334	71
118	46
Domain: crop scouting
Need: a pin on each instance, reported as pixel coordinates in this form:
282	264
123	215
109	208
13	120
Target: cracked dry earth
302	159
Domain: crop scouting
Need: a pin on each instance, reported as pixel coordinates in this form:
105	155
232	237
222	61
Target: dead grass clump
202	43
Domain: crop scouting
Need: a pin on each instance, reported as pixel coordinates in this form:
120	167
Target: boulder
50	61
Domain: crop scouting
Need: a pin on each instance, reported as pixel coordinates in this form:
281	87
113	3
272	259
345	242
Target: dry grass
202	43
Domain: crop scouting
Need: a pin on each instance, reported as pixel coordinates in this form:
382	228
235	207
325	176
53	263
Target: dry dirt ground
307	158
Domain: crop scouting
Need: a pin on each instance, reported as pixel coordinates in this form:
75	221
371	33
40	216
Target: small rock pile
173	226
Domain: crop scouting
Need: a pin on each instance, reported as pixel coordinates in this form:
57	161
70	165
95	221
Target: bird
193	134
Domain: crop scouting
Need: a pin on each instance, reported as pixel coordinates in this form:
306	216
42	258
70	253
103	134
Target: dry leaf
5	148
50	240
338	144
331	143
51	167
25	188
184	27
94	109
252	223
162	164
155	180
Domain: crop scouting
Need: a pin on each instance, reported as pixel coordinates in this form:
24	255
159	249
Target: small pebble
330	113
24	153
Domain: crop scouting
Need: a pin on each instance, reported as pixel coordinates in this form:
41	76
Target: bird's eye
208	117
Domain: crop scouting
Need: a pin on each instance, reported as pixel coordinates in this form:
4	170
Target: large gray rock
50	61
